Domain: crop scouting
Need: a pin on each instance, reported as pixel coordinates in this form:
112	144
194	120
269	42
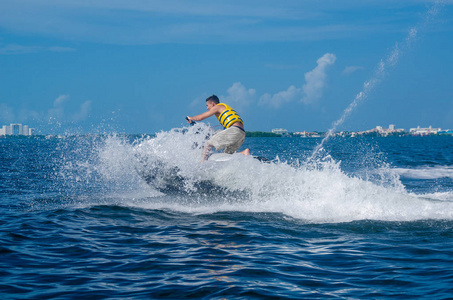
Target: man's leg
206	150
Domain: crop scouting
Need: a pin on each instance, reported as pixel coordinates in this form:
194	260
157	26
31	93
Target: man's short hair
214	99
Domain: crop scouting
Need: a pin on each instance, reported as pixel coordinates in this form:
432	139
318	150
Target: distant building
306	134
381	131
17	129
424	131
280	131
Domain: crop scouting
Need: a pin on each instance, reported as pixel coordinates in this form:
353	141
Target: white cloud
198	102
20	49
315	80
26	114
17	49
311	91
57	112
351	69
84	111
280	98
6	114
148	22
59	49
60	100
239	95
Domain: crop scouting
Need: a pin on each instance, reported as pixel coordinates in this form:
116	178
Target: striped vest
228	116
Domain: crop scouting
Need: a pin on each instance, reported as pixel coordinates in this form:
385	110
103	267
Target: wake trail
381	71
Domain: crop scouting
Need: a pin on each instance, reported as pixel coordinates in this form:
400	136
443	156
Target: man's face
209	105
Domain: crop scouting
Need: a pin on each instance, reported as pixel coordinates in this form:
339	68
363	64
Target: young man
232	137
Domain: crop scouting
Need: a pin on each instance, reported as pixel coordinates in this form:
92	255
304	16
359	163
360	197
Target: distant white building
381	131
17	129
424	131
280	131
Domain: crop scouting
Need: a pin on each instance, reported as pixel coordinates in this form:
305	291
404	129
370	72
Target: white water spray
164	173
384	65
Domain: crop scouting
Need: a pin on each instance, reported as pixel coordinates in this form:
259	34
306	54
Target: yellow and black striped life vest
229	116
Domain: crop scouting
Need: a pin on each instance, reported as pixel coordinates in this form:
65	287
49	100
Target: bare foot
245	152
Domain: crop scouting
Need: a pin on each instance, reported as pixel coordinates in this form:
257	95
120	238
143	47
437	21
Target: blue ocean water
139	217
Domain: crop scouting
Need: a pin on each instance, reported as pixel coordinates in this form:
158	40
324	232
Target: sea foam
313	192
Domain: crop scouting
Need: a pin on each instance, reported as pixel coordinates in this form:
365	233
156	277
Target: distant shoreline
249	134
323	134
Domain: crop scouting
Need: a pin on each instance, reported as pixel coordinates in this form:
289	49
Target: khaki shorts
229	139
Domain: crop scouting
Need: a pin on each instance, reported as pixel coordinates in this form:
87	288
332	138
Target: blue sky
141	66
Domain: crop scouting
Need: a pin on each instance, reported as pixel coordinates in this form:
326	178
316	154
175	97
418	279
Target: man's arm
207	114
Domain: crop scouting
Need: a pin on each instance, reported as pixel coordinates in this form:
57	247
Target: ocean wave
426	172
165	172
